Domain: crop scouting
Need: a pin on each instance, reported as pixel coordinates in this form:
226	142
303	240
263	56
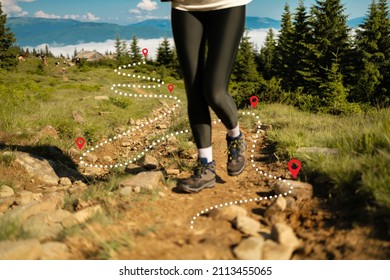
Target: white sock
235	132
206	153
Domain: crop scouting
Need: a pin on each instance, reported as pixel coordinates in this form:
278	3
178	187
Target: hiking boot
204	177
236	155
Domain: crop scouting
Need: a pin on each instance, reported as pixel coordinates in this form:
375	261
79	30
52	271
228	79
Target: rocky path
53	212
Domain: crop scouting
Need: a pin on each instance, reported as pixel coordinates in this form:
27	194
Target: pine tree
300	50
267	56
165	54
284	48
244	69
135	50
372	40
384	46
7	39
330	42
118	47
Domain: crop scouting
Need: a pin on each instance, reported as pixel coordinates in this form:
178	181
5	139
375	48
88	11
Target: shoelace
234	149
201	169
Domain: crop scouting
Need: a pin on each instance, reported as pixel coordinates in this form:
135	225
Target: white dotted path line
117	90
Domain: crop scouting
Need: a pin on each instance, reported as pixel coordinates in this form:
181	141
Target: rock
144	180
48	131
172	140
77	188
291	204
162	126
41	229
92	171
107	160
284	235
103	97
137	189
6	191
87	213
249	249
38	167
318	150
91	158
5	203
126	191
173	172
55	251
149	162
25	197
78	117
24	212
126	144
228	213
274	214
299	190
20	250
247	225
275	251
66	182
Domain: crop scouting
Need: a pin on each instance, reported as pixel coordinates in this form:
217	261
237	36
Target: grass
358	172
12	230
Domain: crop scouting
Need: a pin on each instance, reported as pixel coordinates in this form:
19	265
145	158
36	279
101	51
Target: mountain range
36	31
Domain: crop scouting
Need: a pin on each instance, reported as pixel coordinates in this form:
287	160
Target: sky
130	11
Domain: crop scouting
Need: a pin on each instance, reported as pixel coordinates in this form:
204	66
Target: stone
249	249
87	213
6	191
275	251
20	250
273	213
92	171
107	160
173	172
247	225
126	191
162	126
55	251
172	140
24	212
299	190
228	213
284	235
48	131
144	180
38	167
5	203
25	197
103	97
77	188
90	158
318	150
66	182
41	229
149	162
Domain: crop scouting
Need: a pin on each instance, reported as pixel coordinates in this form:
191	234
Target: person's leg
188	32
224	31
189	36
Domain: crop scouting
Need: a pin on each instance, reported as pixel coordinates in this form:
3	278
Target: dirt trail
160	229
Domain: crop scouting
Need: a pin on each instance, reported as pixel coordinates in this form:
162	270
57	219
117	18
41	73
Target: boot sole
188	188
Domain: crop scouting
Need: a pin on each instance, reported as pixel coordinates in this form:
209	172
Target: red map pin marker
254	101
170	88
145	52
80	142
294	171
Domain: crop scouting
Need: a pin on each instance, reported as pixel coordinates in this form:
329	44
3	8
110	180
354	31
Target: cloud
135	12
147	5
87	17
11	8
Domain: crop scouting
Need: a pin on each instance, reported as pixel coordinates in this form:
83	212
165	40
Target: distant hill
35	31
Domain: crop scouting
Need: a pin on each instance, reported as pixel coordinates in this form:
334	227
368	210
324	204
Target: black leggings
207	78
